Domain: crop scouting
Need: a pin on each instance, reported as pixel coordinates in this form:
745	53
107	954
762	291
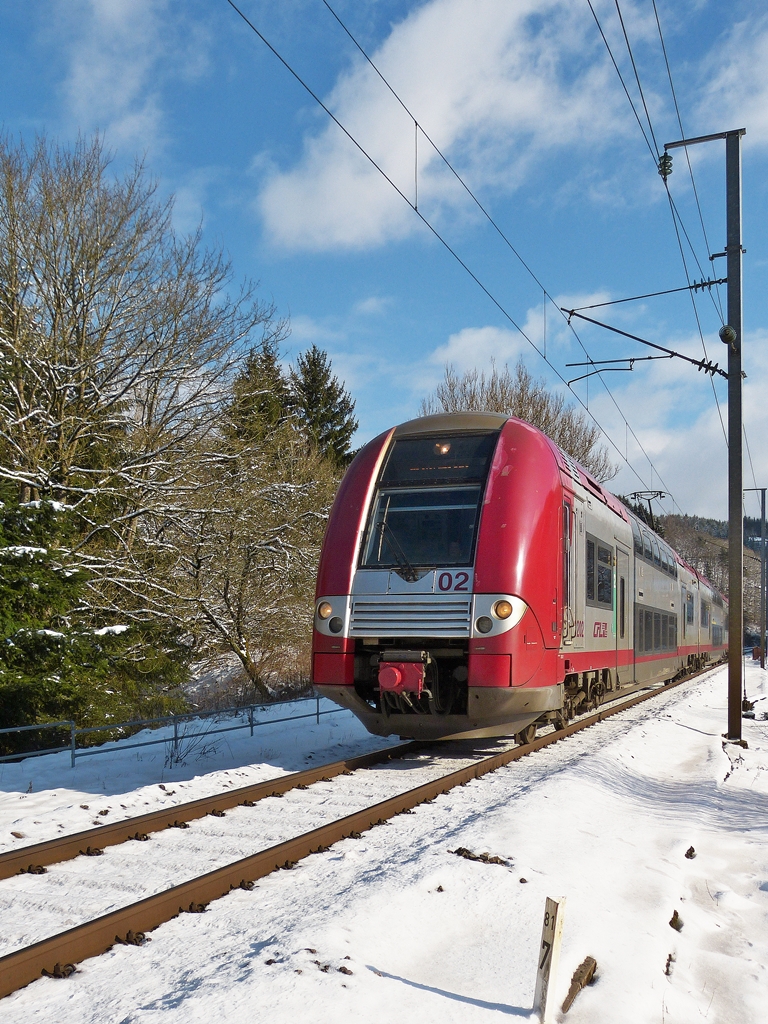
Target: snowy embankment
44	797
604	819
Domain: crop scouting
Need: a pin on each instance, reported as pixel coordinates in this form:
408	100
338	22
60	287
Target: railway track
57	954
33	858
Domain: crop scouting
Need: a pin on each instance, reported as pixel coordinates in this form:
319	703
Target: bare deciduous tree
124	371
520	394
118	340
246	556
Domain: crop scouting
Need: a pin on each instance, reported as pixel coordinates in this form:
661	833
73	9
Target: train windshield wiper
404	566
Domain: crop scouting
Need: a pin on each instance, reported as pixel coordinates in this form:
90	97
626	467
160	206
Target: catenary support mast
731	334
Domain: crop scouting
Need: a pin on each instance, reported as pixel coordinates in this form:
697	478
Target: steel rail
56	956
54	851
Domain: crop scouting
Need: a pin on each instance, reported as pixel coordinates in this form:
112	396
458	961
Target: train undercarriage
420	689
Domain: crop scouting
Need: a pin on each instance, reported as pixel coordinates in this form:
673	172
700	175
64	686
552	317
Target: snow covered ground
44	797
603	819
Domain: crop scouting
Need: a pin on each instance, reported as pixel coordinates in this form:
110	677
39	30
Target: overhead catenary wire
708	366
703	228
445	243
509	244
719	308
696	286
682	135
696	317
419	128
751	466
677	221
652	148
637	79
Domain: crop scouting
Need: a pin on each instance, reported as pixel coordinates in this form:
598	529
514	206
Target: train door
625	658
684	624
566	584
578	571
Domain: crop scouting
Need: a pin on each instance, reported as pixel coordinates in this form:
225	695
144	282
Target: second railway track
96	891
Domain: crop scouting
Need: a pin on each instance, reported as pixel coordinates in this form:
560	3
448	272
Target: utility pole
731	335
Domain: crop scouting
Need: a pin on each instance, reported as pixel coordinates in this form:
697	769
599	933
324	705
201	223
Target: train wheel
528	734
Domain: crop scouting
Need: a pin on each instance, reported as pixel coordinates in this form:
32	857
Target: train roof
443	421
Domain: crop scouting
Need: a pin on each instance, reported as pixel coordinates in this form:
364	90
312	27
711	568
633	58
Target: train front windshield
428	503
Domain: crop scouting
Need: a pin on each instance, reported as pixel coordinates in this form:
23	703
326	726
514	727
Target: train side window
648	631
664	632
599	573
689	609
647	547
639	632
657	631
705	614
622	606
604	576
656	553
638	538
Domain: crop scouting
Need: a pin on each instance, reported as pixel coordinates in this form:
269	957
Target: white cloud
304	329
734	90
112	46
582	300
119	53
496	88
190	196
475	348
374	305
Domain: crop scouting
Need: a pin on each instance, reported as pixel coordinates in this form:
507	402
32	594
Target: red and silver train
475	581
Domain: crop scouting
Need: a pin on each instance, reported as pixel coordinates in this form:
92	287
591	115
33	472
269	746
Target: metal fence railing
245	716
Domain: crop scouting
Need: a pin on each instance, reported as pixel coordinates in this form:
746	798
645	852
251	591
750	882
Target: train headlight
324	610
336	624
496	613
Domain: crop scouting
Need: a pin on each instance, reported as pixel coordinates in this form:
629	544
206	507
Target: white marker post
549	955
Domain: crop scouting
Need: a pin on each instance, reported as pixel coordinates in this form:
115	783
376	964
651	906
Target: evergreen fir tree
322	405
54	663
261	394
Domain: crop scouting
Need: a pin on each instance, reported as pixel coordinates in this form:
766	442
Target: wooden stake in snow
549	954
582	976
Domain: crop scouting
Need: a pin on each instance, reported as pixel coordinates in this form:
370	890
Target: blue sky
522	98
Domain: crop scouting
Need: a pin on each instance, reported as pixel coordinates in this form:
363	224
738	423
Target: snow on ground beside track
604	819
43	797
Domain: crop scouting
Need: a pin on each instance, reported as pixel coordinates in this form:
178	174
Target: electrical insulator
665	165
